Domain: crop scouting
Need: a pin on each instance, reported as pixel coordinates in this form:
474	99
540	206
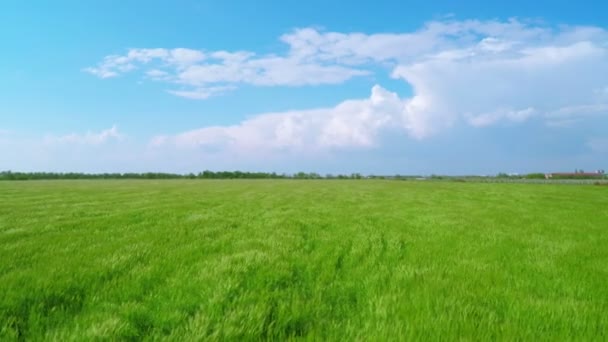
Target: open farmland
323	260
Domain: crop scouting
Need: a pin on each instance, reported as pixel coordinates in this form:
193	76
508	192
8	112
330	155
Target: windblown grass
322	260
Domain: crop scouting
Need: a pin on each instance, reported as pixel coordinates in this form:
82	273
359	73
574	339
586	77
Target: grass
317	260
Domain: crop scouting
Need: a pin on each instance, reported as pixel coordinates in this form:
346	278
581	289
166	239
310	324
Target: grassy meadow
317	260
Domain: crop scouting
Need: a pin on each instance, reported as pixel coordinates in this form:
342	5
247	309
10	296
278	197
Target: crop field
317	260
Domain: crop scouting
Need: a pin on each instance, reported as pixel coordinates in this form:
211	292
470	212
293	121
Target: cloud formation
353	123
88	138
479	73
200	75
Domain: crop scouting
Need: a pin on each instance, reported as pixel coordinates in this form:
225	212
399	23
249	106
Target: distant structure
575	174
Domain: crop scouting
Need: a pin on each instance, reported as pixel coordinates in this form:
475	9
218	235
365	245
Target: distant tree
535	176
207	174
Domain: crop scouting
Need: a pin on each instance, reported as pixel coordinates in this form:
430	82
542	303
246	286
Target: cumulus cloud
353	123
88	138
477	72
486	87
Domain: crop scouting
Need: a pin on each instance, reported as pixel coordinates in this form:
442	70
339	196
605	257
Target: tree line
555	176
11	175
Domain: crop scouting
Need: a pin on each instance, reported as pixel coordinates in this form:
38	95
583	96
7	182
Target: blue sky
373	87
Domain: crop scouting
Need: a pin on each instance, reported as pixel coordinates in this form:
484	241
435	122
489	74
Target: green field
318	260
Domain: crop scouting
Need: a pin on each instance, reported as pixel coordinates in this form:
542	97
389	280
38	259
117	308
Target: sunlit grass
323	260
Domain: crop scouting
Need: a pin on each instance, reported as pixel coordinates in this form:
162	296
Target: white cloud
221	69
158	75
201	93
266	71
88	138
477	72
569	115
434	37
579	110
486	86
101	72
115	65
353	123
487	119
183	57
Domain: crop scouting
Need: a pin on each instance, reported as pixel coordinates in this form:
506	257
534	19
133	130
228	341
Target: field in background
325	260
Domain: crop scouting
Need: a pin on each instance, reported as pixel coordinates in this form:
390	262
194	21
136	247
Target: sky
375	87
